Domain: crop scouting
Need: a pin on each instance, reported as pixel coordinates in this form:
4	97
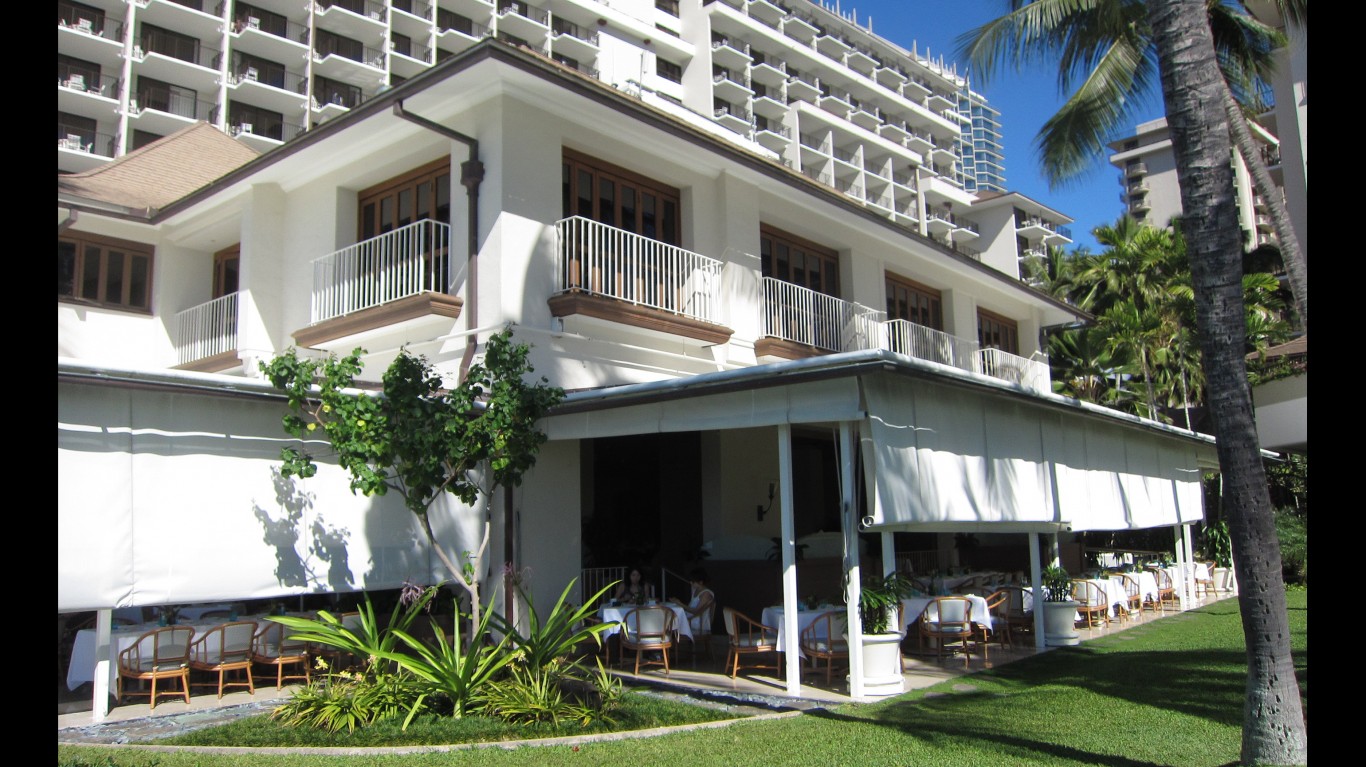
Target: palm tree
1105	47
1106	38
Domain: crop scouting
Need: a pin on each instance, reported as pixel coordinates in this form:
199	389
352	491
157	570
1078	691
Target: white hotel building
731	230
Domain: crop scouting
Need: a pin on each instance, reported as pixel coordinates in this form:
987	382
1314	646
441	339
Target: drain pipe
471	174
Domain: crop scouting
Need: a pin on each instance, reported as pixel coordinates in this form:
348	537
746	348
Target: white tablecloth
773	616
616	616
913	607
1116	596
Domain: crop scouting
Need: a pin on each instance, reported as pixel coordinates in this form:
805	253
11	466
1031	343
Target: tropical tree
417	438
1108	39
1105	49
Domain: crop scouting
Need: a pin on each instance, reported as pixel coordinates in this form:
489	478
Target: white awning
956	459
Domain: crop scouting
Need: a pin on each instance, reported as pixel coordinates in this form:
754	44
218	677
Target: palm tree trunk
1296	269
1273	718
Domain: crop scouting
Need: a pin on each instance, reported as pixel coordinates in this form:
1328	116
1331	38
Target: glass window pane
628	209
443	198
405	207
66	268
137	281
90	274
607	195
422	206
113	277
649	222
367	221
386	215
585	190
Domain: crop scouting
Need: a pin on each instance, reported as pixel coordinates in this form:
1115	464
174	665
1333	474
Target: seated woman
635	588
699	608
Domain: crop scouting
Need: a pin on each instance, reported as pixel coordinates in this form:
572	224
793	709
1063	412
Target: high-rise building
983	159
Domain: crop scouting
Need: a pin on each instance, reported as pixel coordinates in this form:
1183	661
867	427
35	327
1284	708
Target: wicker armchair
162	653
272	649
223	649
748	637
823	639
1091	602
948	621
649	629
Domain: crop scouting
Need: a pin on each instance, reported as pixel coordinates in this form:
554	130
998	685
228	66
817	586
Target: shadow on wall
283	531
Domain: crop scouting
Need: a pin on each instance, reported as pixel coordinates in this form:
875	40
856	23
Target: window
792	259
263	122
401	44
225	270
249	67
450	20
330	42
617	197
327	91
142	138
78	74
913	302
104	271
997	332
423	194
71	127
165	97
249	16
157	40
668	70
81	16
668	6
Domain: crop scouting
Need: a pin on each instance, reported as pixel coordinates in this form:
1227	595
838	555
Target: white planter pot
1223	579
882	665
1060	624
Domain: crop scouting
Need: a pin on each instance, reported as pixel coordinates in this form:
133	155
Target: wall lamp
761	509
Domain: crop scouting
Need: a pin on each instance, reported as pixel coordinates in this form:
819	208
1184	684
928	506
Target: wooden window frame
82	242
221	260
985	319
431	174
829	258
667	231
933	307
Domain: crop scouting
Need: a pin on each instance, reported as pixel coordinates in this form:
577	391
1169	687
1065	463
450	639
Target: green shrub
351	699
1292	531
457	670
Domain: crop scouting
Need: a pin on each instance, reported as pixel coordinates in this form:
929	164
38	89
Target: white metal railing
912	340
1031	374
405	262
603	260
804	316
594	579
921	562
205	330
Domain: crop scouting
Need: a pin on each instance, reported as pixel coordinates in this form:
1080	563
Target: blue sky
1025	100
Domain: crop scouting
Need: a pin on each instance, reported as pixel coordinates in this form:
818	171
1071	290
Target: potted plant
879	608
1219	547
1060	610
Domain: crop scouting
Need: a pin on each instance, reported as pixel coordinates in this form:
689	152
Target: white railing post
393	265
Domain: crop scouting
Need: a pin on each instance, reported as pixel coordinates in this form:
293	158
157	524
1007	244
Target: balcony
730	53
275	89
359	19
1136	169
523	21
734	117
803	88
398	281
1021	371
731	86
205	336
800	29
79	149
609	274
924	343
455	33
274	39
770	74
573	40
800	322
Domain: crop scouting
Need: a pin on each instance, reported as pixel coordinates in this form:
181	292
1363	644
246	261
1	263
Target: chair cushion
755	640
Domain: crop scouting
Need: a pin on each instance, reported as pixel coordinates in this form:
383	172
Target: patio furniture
339	660
1204	579
948	622
998	604
748	637
649	629
823	639
1091	600
271	648
699	630
1018	611
1166	590
225	649
162	653
1133	597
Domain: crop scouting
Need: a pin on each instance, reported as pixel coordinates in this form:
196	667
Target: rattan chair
1019	619
824	639
1206	583
700	625
1091	602
223	649
1133	598
162	653
649	629
948	621
998	605
271	648
748	637
1166	590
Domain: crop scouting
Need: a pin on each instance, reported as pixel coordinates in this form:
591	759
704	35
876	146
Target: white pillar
99	704
1188	572
849	523
791	627
1036	578
1180	579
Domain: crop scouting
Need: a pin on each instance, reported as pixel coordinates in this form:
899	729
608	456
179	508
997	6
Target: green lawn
1166	693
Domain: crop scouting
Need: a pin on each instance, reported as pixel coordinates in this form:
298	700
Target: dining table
615	617
774	617
913	607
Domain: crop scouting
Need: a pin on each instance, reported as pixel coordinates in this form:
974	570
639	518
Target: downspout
471	174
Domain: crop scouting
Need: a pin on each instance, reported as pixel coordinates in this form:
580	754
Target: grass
1166	693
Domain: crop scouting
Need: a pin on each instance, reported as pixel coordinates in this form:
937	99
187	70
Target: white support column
849	524
99	703
1181	568
791	625
1054	553
1036	578
1188	572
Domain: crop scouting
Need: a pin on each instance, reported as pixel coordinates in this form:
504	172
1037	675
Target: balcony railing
602	260
924	343
208	329
1031	374
804	316
405	262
